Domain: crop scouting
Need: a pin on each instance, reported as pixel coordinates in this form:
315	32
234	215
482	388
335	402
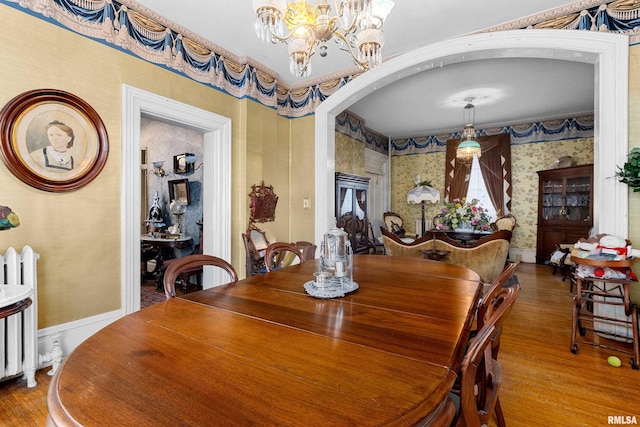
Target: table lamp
421	193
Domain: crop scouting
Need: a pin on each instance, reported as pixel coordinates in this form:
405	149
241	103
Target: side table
592	292
164	247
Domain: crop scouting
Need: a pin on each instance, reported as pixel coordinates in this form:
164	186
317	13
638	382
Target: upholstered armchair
507	222
487	257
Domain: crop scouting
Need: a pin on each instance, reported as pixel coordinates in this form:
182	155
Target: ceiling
505	91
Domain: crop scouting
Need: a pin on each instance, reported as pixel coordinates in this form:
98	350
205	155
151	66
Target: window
495	167
478	189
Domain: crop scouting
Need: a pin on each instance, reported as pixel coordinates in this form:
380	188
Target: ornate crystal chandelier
468	146
303	26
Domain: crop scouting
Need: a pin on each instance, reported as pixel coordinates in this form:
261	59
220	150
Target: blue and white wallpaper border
139	31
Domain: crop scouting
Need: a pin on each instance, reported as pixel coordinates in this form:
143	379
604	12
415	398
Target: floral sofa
487	256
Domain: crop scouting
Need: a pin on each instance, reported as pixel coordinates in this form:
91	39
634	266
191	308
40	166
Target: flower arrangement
458	212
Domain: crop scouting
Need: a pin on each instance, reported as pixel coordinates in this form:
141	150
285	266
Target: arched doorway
607	52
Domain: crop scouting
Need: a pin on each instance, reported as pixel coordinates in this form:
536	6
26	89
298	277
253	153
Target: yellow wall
77	234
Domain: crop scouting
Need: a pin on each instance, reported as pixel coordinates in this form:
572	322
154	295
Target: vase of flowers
460	214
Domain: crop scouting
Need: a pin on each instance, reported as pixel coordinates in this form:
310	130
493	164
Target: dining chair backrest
494	287
481	378
497	310
282	254
190	262
308	249
442	416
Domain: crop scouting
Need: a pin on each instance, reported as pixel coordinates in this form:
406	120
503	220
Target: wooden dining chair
493	310
185	275
308	249
496	309
501	281
280	254
480	384
443	415
192	261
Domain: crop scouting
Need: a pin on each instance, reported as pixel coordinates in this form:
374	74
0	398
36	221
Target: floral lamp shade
8	218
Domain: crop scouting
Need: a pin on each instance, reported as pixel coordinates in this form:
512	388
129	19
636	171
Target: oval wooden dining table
263	352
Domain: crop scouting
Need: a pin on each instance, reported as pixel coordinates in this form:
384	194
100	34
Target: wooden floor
544	383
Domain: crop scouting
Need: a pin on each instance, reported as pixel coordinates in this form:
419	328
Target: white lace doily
334	290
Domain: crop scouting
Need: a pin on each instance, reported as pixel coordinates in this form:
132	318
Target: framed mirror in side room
179	190
181	165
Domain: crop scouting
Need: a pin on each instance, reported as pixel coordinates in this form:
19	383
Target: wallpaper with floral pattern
349	155
526	160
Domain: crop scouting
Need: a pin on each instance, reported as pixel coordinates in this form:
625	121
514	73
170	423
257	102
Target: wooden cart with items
602	305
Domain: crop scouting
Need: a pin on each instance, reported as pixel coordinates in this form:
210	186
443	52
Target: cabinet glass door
578	198
345	206
360	226
552	199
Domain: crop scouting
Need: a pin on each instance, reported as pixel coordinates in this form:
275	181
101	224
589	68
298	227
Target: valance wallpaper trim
524	133
141	32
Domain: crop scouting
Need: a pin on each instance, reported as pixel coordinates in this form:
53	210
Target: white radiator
18	332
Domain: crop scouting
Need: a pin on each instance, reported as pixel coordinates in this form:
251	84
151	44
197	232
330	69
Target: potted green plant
630	172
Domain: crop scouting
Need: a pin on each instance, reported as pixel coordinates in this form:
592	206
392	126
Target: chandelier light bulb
356	27
269	19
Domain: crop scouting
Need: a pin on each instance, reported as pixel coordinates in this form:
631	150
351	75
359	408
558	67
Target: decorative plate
564	162
335	290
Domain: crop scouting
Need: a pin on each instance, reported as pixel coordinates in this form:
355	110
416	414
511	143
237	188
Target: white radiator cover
18	332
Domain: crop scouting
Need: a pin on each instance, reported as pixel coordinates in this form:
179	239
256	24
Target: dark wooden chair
308	249
493	310
190	262
496	304
560	260
185	276
255	243
480	384
280	255
443	415
394	223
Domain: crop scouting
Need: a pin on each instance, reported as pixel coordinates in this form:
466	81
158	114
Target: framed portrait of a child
52	140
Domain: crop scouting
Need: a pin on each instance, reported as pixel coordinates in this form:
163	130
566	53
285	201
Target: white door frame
216	200
609	54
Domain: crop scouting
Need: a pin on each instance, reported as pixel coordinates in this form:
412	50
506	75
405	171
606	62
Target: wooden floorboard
544	383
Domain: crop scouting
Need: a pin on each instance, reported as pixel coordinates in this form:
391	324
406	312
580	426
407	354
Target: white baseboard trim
522	255
59	341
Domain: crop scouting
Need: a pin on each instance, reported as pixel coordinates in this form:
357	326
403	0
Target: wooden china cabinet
565	210
351	209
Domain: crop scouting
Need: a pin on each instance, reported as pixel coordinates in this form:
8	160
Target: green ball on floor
614	361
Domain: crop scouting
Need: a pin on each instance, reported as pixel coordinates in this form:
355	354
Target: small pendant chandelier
468	146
